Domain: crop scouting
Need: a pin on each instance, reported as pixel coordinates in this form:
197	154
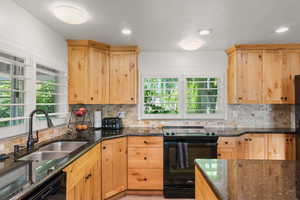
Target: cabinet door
114	167
275	75
78	75
277	146
249	76
255	146
291	147
227	153
232	79
293	62
98	76
92	185
123	78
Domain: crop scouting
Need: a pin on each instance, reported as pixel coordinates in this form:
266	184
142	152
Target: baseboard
117	196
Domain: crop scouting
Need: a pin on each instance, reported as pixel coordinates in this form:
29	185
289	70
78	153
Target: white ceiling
158	25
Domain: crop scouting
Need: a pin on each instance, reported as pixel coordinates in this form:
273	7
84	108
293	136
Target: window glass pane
47	89
161	96
12	92
201	95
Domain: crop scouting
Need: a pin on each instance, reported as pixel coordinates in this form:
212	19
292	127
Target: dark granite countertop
252	179
18	178
232	132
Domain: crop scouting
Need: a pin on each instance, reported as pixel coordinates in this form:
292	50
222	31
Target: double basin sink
54	150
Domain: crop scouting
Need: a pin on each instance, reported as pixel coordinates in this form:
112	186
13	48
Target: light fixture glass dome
191	44
70	14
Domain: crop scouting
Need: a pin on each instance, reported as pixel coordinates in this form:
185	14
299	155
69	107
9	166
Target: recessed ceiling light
191	44
126	31
282	29
205	32
70	14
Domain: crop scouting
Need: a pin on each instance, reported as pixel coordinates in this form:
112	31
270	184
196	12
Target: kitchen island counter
248	179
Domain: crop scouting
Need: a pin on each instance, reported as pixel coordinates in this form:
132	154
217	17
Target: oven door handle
167	144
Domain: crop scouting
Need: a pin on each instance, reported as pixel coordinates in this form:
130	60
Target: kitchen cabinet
123	75
244	70
114	166
99	73
262	74
227	148
84	176
202	189
88	69
145	163
258	146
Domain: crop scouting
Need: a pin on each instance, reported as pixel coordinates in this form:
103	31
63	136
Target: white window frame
182	98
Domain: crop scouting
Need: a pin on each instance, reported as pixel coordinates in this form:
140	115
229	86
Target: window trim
182	89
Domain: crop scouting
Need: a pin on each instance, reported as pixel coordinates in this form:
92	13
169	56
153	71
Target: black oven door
179	157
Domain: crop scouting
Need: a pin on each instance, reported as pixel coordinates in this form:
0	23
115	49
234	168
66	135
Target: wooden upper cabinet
99	76
262	74
123	76
78	75
102	74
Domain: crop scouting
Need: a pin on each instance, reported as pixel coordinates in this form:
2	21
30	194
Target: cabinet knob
286	98
218	154
281	98
246	139
250	139
145	158
226	142
104	147
131	98
240	98
92	98
145	142
287	139
145	179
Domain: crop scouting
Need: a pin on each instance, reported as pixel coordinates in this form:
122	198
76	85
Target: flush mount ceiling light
70	14
191	44
282	29
126	31
205	31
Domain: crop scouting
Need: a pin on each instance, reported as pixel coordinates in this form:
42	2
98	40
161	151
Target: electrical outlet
121	115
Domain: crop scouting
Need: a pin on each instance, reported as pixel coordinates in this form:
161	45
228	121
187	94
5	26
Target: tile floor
134	197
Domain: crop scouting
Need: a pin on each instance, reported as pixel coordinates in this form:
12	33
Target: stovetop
199	131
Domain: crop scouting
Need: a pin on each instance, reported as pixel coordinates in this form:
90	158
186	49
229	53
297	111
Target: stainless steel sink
63	146
44	155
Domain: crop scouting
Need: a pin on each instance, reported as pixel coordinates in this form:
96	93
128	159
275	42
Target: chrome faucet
31	141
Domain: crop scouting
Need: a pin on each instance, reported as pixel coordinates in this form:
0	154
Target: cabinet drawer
139	157
227	141
147	141
145	179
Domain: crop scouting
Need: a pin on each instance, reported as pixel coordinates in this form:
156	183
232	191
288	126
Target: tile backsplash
237	116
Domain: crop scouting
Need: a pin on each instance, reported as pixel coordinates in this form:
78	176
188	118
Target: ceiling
158	25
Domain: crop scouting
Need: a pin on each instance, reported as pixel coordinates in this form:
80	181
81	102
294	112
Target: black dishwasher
52	189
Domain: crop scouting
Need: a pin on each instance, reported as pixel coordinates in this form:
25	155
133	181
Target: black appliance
53	189
111	123
297	114
182	145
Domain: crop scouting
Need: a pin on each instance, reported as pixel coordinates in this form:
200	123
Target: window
181	97
50	91
12	93
24	88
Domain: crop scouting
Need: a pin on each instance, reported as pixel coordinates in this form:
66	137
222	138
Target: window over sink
182	97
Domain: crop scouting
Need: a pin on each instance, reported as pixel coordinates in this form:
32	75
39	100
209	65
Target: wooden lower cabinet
114	167
258	146
84	176
202	189
145	163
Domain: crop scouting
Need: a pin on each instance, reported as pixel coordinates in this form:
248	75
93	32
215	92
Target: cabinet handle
145	158
92	98
246	139
286	98
281	98
104	147
145	142
145	179
88	176
240	98
287	140
218	154
226	142
250	139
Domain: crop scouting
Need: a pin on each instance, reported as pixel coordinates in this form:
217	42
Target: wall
23	31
